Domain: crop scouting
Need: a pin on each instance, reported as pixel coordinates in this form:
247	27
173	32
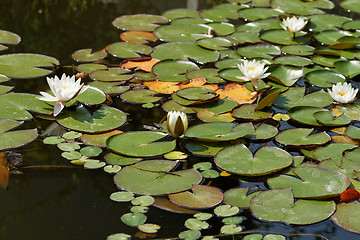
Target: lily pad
140	144
183	32
286	75
140	96
184	50
348	68
138	37
215	43
218	15
153	178
205	149
87	55
239	197
324	78
312	182
323	22
347	216
249	112
7	37
283	208
350	5
282	37
104	119
302	7
239	159
293	60
259	131
254	14
173	71
14	139
260	50
216	131
128	50
180	13
299	50
26	65
297	137
139	22
111	75
353	132
15	106
200	198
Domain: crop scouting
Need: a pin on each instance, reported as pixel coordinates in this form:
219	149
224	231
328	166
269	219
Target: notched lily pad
139	22
297	137
87	55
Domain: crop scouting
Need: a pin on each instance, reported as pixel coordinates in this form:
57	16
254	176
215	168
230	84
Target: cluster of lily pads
269	88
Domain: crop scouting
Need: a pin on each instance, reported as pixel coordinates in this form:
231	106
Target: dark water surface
73	203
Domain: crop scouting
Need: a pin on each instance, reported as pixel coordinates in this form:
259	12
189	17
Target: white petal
47	97
59	106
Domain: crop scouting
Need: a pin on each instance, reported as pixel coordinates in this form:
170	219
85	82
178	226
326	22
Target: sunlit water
73	203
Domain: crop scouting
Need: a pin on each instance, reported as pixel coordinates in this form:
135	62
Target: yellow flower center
251	68
342	93
64	87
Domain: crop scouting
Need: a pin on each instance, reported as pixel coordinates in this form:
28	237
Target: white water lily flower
177	123
64	90
252	71
294	24
343	93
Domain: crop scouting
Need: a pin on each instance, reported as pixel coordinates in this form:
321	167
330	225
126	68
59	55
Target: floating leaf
226	210
140	144
282	37
283	208
312	182
286	75
104	119
347	216
237	92
87	55
111	75
261	50
153	178
185	32
239	197
324	78
196	224
248	111
140	96
201	197
173	71
128	50
138	37
254	14
301	137
139	22
133	219
98	139
348	68
149	228
302	7
240	160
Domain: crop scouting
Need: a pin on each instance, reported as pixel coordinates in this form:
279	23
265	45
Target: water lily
343	93
252	71
177	123
64	90
294	24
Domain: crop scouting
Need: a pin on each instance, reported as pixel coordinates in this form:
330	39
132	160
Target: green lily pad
128	50
104	119
180	13
299	50
140	96
312	182
260	25
15	106
347	216
222	29
94	164
230	229
283	208
171	105
254	14
90	151
301	137
196	93
173	71
68	146
215	43
72	155
259	131
353	132
138	37
140	144
245	37
295	96
218	107
139	22
91	96
326	60
249	112
211	75
122	196
293	60
302	7
348	68
201	197
190	234
330	37
239	159
324	78
90	67
109	87
143	201
233	220
350	5
111	74
305	115
286	75
14	139
260	50
351	25
149	228
333	151
115	159
218	15
323	22
133	219
351	110
53	140
205	149
183	32
216	131
226	210
153	178
184	50
87	55
26	65
119	236
7	37
282	37
328	118
239	197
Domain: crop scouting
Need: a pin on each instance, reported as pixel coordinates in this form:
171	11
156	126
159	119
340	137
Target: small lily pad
122	196
226	210
133	219
149	228
87	55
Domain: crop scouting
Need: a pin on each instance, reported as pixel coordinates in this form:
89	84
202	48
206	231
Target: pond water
60	201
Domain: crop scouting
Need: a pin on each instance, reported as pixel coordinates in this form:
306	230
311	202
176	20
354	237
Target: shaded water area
69	203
